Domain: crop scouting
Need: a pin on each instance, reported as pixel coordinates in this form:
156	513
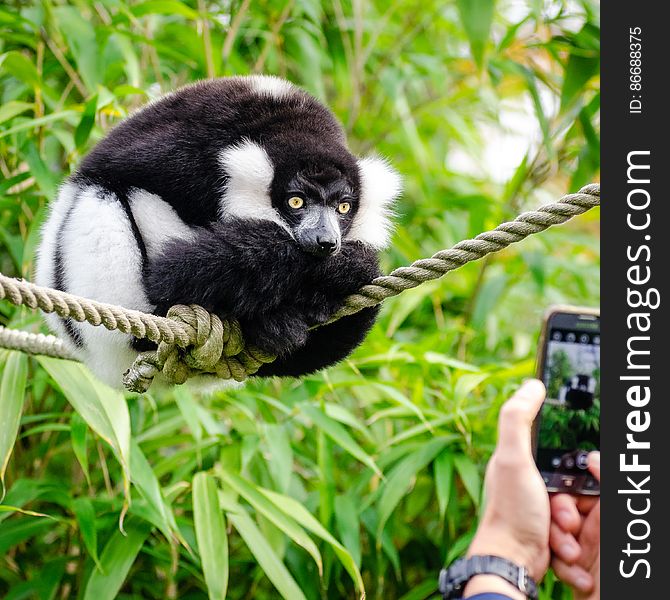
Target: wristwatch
453	580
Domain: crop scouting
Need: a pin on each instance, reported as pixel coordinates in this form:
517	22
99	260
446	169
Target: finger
589	537
594	464
516	419
563	544
574	575
585	504
565	514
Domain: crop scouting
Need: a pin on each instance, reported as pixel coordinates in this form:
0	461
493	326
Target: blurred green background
368	475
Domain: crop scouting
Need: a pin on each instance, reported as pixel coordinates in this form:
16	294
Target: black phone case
585	484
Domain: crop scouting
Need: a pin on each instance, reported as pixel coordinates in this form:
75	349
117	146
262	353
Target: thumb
594	464
516	418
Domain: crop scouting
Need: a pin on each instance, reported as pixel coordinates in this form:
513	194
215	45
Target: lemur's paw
278	335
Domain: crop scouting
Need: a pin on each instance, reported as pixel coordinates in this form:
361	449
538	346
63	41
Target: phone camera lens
583	460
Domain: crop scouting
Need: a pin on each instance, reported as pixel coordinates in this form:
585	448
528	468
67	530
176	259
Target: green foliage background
367	475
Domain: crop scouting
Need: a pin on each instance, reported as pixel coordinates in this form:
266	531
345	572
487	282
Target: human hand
575	539
516	519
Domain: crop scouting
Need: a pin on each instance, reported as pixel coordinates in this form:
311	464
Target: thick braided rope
438	265
134	322
215	346
34	343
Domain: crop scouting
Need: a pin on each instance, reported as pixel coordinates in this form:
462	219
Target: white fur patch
46	253
271	85
380	186
247	193
157	221
101	261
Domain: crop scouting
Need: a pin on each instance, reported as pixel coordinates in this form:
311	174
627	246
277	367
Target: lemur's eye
344	208
296	202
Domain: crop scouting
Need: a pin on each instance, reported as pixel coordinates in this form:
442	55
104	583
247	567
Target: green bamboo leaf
339	435
83	131
400	479
348	525
21	492
296	510
369	519
477	17
466	383
470	476
435	358
46	179
326	463
47	582
83	511
104	410
400	398
406	304
164	7
578	72
531	82
82	41
268	560
79	439
268	509
488	297
444	476
281	455
145	480
12	108
210	532
16	531
32	123
189	410
10	182
8	508
19	66
116	559
422	591
346	417
45	427
132	67
12	393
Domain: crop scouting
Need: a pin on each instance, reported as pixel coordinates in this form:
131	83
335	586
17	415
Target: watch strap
453	580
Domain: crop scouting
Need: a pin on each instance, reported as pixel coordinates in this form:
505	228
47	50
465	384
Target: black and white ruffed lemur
238	194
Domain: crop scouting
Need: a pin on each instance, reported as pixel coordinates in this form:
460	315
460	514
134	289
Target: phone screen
569	422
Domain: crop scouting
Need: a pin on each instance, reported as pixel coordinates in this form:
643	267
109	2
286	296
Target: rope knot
206	331
216	346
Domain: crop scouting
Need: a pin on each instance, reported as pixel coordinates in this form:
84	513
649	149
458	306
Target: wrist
482	584
505	546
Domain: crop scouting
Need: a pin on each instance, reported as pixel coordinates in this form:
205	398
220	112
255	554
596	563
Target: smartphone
568	425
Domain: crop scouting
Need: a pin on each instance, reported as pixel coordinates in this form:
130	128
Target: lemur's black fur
171	148
254	272
251	269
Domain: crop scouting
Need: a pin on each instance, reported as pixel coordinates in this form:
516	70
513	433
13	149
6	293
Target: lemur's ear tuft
249	172
380	186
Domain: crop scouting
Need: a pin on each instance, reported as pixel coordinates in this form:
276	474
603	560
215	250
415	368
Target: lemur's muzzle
324	237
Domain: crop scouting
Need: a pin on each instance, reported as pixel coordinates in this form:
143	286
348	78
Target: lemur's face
319	207
320	201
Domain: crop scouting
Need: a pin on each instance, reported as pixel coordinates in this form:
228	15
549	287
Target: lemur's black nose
326	246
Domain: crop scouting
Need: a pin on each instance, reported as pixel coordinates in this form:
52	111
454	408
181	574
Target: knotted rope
218	349
191	340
